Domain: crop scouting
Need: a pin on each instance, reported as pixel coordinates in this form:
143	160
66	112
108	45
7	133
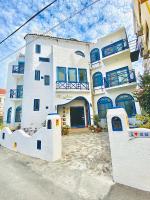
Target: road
19	181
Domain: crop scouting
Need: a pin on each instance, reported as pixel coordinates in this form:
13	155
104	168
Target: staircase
79	130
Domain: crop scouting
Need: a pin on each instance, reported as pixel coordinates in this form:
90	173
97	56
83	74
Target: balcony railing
120	79
16	93
75	86
115	48
18	69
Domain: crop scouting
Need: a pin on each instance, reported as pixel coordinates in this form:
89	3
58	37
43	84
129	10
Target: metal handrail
72	85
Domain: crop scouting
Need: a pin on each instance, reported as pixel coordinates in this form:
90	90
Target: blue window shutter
38	48
97	79
37	75
95	55
36	104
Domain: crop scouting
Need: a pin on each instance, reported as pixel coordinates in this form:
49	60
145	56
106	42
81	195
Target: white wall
130	156
50	141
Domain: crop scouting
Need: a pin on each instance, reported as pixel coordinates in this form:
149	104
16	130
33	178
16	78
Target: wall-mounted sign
139	134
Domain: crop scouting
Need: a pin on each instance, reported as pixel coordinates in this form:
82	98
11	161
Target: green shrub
144	121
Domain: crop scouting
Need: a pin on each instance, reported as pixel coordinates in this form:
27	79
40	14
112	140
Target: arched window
116	124
95	55
18	114
97	79
80	53
103	104
127	102
9	115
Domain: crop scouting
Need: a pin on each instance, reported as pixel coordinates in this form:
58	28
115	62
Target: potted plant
97	124
65	130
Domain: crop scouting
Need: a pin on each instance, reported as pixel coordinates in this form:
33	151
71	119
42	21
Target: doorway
77	117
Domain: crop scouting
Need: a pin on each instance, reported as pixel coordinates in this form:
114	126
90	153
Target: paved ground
84	173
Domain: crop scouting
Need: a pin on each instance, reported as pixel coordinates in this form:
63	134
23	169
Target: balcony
121	79
16	94
115	48
72	86
18	69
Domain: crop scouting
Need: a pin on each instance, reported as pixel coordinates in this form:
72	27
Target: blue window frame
72	75
115	47
127	102
80	53
39	144
18	114
38	48
116	124
97	79
9	112
37	75
36	105
42	59
117	77
46	80
82	75
95	55
103	104
61	74
3	136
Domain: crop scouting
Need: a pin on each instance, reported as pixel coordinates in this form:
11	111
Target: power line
28	21
68	18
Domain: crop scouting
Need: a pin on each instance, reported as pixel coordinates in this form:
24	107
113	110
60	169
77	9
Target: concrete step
79	130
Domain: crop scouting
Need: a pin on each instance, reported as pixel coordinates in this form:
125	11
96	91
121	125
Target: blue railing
115	48
18	69
120	79
16	93
68	85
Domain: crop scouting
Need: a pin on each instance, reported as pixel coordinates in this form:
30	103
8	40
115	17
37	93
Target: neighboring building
74	78
2	99
142	29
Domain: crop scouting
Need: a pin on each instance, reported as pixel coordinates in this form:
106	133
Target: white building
2	100
74	78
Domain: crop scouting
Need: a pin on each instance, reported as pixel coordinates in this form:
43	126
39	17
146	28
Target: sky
101	19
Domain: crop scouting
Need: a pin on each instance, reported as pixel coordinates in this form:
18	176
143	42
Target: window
117	77
72	75
49	124
44	59
103	104
97	79
127	102
38	48
39	144
36	104
61	74
3	136
95	55
115	47
80	53
18	114
37	75
82	73
46	80
116	124
9	112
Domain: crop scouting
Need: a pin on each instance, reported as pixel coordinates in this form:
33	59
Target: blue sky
99	20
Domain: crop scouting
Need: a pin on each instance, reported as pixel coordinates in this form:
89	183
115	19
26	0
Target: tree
143	92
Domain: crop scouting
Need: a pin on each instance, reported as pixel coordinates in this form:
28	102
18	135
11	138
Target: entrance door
77	117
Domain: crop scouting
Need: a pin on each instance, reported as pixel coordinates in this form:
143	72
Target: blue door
77	117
